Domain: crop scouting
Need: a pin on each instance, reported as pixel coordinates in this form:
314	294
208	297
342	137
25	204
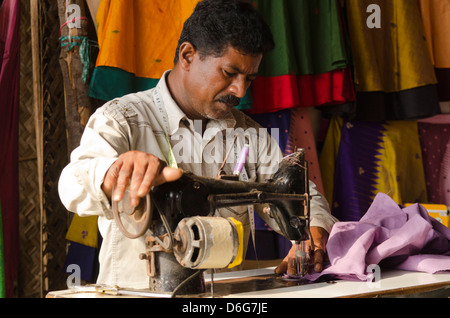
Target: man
141	140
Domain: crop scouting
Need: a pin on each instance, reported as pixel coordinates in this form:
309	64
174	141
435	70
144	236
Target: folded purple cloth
388	236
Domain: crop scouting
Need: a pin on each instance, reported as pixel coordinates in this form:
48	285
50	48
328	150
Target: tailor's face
214	85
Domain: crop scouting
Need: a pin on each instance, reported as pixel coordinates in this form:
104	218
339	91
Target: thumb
168	174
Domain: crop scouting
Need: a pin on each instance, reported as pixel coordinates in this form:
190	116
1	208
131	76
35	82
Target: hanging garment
271	94
443	77
2	260
86	260
372	157
9	119
414	103
308	66
308	38
137	43
388	236
436	21
301	135
393	57
328	156
394	74
434	136
83	230
83	246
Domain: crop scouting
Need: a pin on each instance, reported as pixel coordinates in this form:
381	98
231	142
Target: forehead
238	61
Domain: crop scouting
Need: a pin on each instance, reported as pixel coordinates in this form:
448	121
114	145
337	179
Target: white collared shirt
137	122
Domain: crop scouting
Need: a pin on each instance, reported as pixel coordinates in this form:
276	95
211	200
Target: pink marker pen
241	160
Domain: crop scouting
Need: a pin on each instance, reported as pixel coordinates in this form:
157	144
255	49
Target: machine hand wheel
133	221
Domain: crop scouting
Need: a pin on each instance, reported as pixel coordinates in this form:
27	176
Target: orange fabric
140	36
436	21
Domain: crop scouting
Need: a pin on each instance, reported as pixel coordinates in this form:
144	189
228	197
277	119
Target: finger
138	176
154	168
319	256
111	178
292	266
123	180
168	174
282	268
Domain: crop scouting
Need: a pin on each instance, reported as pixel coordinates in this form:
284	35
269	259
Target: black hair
216	24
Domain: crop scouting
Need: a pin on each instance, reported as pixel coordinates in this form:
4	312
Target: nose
239	86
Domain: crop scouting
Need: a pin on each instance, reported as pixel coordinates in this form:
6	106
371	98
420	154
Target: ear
186	55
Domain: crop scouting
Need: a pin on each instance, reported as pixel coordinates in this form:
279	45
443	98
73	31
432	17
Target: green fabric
110	82
308	37
2	260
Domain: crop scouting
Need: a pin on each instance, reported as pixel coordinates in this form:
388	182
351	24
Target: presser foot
301	263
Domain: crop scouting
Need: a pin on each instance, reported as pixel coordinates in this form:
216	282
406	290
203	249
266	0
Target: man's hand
320	238
138	170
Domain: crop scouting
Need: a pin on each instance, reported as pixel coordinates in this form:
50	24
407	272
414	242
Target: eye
251	78
228	74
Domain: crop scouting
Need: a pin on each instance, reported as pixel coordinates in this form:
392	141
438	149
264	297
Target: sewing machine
183	238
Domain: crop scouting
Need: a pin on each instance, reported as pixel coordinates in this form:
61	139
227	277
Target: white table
392	283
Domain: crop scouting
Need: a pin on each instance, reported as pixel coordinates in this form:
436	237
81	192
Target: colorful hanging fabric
9	119
436	21
137	43
328	156
394	74
83	246
308	37
83	230
434	136
372	157
308	66
301	135
414	103
2	260
85	257
393	57
270	94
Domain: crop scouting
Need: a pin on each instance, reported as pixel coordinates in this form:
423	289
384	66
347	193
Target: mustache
229	100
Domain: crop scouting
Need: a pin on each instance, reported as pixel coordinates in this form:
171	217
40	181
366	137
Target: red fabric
9	115
272	94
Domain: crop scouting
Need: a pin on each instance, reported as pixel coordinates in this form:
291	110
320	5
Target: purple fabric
9	130
389	236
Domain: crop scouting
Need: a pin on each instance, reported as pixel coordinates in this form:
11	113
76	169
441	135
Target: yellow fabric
83	230
400	170
436	20
328	156
394	57
140	36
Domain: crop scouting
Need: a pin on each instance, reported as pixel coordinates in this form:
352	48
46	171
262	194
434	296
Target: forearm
319	210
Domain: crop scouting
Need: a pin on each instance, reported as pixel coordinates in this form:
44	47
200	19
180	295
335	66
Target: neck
174	84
